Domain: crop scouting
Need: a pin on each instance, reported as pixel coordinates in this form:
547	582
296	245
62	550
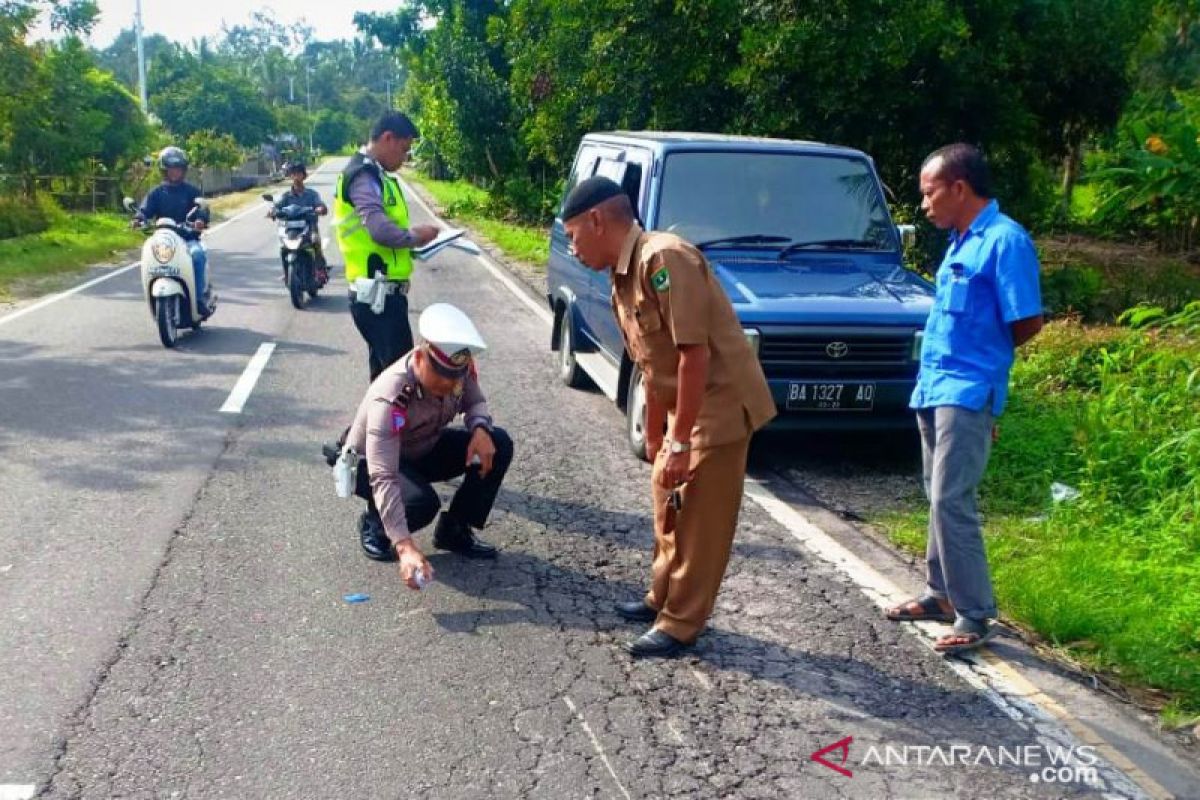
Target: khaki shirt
399	421
665	295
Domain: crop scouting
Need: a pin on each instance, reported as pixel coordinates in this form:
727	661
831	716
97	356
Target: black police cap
588	194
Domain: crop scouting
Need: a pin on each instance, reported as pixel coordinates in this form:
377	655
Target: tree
334	130
208	148
191	94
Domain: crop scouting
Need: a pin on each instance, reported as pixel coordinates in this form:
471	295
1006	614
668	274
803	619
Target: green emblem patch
661	280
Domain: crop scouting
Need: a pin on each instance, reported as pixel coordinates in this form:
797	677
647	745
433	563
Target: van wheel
635	415
569	371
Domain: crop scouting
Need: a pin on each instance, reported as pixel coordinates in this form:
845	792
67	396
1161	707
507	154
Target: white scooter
169	278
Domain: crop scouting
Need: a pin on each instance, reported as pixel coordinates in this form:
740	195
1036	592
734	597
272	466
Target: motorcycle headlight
918	341
754	338
163	250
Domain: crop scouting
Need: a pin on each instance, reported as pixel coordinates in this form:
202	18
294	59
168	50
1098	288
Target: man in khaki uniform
704	386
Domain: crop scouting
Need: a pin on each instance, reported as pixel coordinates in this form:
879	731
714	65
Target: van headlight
917	343
754	338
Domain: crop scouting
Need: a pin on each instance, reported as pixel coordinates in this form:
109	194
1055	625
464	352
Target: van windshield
792	198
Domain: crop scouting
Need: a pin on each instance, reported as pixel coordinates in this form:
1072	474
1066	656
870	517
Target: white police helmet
451	338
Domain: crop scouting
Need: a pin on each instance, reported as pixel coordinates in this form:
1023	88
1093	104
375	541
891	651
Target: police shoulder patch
661	280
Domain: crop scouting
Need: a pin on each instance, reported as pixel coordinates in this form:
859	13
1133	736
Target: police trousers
388	335
474	499
692	545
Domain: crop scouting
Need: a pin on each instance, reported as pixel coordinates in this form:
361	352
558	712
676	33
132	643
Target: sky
184	20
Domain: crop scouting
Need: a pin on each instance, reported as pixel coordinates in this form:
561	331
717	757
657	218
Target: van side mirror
908	235
268	197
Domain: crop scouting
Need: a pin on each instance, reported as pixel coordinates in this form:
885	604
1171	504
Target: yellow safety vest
353	237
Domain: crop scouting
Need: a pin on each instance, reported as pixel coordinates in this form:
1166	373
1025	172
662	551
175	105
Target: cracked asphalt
197	644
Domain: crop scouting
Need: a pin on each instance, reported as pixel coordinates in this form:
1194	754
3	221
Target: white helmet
453	337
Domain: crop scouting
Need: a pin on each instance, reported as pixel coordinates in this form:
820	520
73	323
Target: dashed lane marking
245	384
17	791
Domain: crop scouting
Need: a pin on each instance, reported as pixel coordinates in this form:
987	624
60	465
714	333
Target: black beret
588	194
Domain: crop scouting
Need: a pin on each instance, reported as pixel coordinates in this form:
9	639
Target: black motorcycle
297	227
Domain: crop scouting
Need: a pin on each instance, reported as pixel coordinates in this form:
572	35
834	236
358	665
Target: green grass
473	206
71	244
1113	577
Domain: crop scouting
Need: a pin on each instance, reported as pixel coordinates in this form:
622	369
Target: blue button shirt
987	280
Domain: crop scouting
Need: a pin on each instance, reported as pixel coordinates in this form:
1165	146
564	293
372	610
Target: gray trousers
955	443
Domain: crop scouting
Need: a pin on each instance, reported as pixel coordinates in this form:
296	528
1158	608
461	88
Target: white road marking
17	791
596	744
986	672
106	276
245	384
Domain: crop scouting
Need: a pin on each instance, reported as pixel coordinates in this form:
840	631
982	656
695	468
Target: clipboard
443	239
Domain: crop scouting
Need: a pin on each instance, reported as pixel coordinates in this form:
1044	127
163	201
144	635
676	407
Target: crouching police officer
401	431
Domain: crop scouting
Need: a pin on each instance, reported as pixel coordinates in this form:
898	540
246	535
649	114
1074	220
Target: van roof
686	140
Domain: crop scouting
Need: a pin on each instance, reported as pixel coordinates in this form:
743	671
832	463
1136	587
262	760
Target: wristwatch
678	447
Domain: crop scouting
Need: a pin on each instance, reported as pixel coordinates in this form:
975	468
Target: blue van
800	237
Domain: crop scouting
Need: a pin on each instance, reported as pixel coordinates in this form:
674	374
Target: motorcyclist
175	199
301	195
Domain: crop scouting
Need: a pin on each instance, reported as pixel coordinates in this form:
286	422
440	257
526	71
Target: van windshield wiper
832	244
752	238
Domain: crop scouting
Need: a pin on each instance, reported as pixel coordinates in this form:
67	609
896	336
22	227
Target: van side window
585	167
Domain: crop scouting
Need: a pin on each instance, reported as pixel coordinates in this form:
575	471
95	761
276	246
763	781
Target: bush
20	217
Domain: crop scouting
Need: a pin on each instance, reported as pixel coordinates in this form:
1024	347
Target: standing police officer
702	382
372	227
402	431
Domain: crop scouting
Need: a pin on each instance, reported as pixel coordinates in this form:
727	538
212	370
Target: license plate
831	396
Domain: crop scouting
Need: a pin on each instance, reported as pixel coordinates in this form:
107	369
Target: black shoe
636	611
457	537
374	539
656	644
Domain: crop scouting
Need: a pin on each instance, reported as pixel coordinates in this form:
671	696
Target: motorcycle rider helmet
172	157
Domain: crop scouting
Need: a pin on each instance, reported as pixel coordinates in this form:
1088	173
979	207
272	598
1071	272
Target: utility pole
387	82
141	58
308	103
291	88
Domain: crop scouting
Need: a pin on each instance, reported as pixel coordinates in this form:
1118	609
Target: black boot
375	542
456	536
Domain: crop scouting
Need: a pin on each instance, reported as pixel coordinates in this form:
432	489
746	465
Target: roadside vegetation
475	207
66	244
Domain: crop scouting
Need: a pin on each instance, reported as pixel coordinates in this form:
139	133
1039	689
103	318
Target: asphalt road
172	582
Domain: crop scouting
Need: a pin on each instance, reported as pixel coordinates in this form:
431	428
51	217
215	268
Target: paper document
444	238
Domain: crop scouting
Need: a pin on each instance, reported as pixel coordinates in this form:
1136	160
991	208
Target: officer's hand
481	445
424	234
412	561
676	471
322	211
199	224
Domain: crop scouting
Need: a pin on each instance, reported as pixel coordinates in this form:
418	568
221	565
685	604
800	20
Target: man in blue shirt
988	303
175	199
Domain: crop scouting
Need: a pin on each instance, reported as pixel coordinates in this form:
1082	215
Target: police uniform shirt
397	420
665	295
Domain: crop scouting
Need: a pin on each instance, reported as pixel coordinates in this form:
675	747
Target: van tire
635	415
569	371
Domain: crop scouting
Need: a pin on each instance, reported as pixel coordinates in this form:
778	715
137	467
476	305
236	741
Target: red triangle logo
844	747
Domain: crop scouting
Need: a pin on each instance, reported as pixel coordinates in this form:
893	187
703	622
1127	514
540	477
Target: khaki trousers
692	545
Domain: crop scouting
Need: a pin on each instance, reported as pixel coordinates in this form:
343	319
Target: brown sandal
931	611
